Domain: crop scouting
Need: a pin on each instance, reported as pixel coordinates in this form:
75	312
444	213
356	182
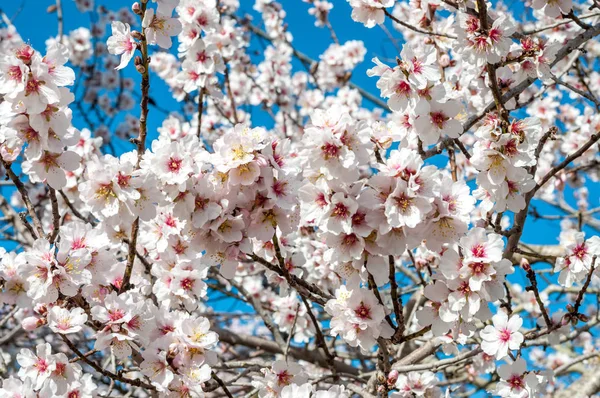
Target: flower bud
136	8
444	60
41	309
25	53
559	182
31	323
481	223
392	377
136	35
525	264
138	65
583	318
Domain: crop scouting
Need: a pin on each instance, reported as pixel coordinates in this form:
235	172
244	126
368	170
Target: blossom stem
97	368
536	292
373	288
584	288
59	17
414	28
396	299
319	333
222	384
519	221
231	98
416	334
291	335
74	210
299	284
452	161
141	146
55	215
25	196
200	110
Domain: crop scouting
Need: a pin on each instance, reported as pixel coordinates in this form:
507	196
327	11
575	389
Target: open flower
435	119
160	27
516	381
504	335
121	43
553	8
64	321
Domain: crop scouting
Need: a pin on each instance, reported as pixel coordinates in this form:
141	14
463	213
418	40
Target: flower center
504	335
403	202
580	251
362	311
516	382
439	119
478	250
115	315
187	284
330	151
340	211
174	164
41	365
403	88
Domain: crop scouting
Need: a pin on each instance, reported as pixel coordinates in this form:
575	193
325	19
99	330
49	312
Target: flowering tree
369	244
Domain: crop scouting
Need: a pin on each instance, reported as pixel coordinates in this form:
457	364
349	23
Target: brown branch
396	299
571	15
230	94
25	196
319	334
416	334
255	342
299	284
520	218
593	139
141	147
75	212
534	287
200	110
97	368
59	17
222	384
414	28
586	95
584	288
55	216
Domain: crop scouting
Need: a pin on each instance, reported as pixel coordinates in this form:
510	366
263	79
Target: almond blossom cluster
276	230
36	101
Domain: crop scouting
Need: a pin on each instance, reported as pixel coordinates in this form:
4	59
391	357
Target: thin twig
414	28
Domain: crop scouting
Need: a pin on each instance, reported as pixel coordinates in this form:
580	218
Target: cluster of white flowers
502	155
36	103
466	281
47	375
287	380
581	255
308	221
